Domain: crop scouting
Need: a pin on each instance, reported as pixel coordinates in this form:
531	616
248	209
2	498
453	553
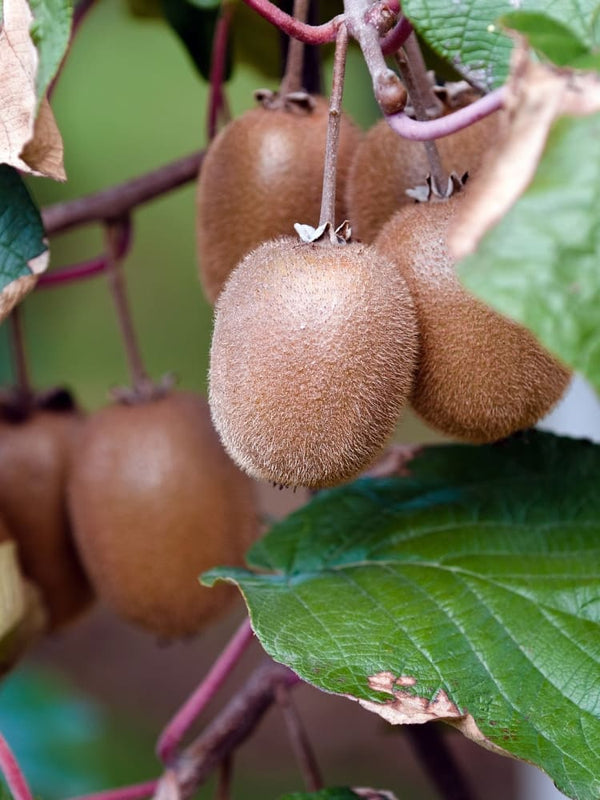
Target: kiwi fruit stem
24	388
292	76
333	133
143	388
218	109
425	104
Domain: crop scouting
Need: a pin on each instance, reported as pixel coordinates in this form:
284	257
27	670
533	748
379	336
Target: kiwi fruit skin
312	360
35	461
481	376
386	165
262	174
155	501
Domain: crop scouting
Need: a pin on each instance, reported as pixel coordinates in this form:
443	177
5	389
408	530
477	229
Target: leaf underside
477	577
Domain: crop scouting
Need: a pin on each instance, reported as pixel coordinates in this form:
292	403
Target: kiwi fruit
261	174
481	377
35	459
155	501
386	165
312	359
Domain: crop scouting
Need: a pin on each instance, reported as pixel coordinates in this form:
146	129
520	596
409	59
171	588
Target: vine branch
11	770
440	766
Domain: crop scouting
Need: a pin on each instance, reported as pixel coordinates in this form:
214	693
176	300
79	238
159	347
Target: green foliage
478	576
194	23
21	229
50	33
469	35
548	37
539	265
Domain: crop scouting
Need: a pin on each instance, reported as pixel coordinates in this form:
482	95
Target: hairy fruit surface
261	174
156	501
312	360
481	376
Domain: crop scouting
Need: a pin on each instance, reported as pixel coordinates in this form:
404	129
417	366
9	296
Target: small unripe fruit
261	174
386	165
155	501
481	376
35	459
312	360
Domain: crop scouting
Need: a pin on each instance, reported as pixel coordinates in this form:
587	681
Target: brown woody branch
117	201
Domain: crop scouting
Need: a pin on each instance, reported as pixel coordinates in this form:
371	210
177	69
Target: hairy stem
387	86
439	763
425	105
437	128
292	77
231	727
115	230
120	199
309	34
178	726
9	766
138	791
333	132
216	97
299	741
19	354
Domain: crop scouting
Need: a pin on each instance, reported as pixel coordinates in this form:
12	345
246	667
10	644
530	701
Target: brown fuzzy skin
155	501
263	173
481	376
312	360
386	165
35	459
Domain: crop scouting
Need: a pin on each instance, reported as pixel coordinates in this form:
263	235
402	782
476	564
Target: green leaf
475	583
21	228
469	35
50	32
548	37
539	265
194	23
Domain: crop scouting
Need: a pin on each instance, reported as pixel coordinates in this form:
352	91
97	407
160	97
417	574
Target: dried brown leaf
536	95
15	291
30	145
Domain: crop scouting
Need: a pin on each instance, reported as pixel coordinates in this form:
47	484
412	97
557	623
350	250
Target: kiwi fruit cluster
318	346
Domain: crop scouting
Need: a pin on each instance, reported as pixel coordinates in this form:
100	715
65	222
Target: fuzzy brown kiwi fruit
386	165
155	501
261	174
36	451
311	361
481	376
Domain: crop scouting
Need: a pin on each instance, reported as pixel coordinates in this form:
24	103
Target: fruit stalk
9	766
292	77
115	231
178	726
299	741
333	133
217	103
440	766
425	104
21	367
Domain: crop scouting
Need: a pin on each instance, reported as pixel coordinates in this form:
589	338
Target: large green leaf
540	264
469	36
475	583
194	22
21	229
50	32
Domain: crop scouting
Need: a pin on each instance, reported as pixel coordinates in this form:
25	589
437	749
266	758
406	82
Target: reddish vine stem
115	230
13	775
299	741
394	39
138	791
119	200
216	97
439	763
333	133
309	34
19	352
178	726
451	123
223	791
292	77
